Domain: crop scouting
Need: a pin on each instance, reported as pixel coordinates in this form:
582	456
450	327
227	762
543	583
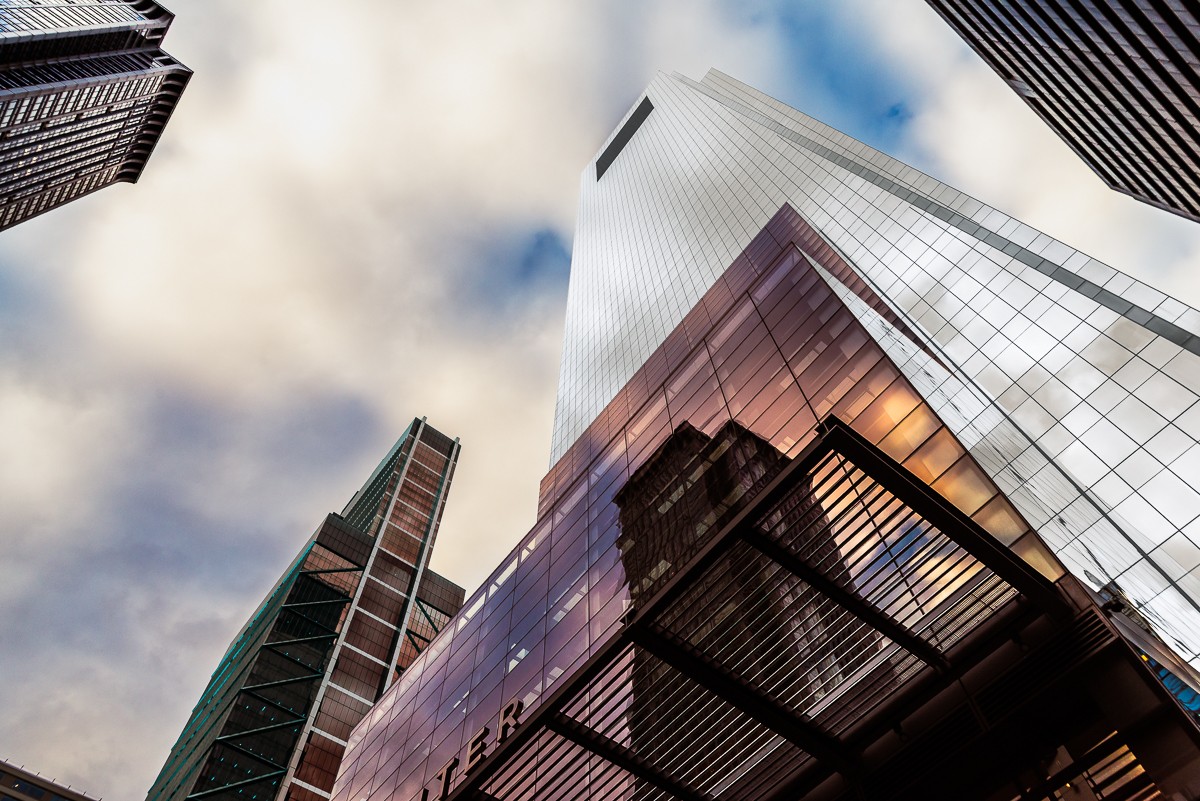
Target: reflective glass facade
1118	80
85	92
346	620
1073	385
765	548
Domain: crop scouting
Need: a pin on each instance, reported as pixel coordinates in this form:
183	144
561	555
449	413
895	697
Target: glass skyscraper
1118	80
827	432
85	92
1079	381
347	618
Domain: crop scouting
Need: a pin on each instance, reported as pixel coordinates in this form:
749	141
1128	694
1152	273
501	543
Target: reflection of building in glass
691	485
744	276
17	784
345	621
1118	81
85	92
670	507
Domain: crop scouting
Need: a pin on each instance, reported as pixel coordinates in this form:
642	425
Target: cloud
352	219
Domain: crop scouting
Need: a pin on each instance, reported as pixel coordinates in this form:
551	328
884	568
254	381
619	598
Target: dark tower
85	92
1118	80
347	618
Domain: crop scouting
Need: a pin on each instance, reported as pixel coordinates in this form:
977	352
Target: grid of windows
769	350
36	76
84	96
389	621
387	609
1118	81
1091	378
254	708
51	15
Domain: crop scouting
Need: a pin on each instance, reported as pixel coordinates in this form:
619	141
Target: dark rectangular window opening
623	136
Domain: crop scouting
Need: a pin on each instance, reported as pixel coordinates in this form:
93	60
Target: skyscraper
823	425
1079	382
85	92
346	620
1119	81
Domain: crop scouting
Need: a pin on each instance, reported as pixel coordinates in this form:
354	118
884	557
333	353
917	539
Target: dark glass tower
345	621
1118	80
85	92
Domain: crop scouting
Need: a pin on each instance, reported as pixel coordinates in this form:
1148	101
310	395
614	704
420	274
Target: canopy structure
848	633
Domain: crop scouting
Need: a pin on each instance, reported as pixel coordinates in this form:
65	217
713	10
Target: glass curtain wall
770	350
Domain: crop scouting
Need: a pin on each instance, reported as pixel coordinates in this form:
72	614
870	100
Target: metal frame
622	757
641	629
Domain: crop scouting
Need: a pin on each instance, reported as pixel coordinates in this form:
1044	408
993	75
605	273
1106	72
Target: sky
362	213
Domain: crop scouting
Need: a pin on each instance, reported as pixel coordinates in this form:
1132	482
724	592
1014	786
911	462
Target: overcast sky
362	212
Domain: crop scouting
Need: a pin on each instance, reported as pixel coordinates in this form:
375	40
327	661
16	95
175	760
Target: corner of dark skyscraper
85	92
1117	80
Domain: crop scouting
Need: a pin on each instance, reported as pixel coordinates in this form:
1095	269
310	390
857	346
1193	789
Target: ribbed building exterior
85	92
347	618
1118	80
827	432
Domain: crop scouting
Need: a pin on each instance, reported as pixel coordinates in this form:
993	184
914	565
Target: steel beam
926	502
225	738
844	598
281	682
735	690
243	783
622	757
